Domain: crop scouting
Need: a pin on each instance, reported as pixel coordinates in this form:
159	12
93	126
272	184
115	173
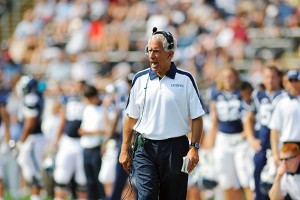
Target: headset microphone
154	30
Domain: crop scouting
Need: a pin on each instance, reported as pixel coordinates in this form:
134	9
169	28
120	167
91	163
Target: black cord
145	88
131	173
130	187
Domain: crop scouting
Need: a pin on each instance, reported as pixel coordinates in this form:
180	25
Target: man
264	102
164	105
287	181
32	142
93	129
69	157
4	121
284	123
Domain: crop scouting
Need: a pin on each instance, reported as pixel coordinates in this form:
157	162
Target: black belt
93	148
139	141
143	139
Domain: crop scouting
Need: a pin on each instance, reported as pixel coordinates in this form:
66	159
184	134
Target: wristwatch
195	144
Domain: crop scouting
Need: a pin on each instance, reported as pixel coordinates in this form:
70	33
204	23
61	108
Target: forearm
94	132
275	192
274	142
61	126
25	133
6	122
249	126
197	130
27	128
211	135
127	132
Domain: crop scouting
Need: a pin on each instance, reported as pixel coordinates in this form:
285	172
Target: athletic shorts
234	161
31	157
69	162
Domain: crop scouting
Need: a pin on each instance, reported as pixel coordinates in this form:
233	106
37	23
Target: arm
125	158
274	137
275	192
62	123
103	130
211	136
197	131
6	122
249	131
114	122
29	125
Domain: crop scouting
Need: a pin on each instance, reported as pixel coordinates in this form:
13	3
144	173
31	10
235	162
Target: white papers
185	165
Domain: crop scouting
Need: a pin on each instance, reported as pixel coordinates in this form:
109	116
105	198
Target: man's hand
193	157
255	144
125	160
4	148
281	169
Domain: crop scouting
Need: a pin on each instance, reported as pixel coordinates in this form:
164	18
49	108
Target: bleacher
11	12
283	44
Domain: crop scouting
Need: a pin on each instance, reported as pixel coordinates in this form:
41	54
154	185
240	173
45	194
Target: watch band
195	144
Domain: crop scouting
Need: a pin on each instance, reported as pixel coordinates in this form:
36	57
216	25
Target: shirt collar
297	172
171	73
291	96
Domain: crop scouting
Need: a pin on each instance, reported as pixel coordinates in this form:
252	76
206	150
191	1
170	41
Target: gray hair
164	41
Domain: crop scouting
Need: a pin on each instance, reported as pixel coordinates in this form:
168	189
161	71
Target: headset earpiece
167	35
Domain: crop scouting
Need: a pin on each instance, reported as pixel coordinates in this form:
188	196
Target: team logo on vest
177	85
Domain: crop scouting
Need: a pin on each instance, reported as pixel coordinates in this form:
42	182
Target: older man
163	107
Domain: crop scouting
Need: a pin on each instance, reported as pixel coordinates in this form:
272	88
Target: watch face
196	145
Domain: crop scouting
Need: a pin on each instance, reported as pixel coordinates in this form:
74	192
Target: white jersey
93	119
290	184
285	118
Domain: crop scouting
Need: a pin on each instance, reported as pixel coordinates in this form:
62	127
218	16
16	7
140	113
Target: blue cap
293	74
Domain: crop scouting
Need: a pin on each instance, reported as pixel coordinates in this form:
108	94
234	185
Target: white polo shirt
92	119
290	184
286	118
164	106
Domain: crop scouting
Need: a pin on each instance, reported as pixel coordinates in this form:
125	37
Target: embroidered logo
177	85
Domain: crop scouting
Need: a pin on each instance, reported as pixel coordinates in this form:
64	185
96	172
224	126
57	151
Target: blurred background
97	40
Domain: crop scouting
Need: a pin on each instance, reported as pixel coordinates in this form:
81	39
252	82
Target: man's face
290	160
246	95
160	60
271	80
294	87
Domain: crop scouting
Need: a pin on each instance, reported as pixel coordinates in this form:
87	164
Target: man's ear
171	54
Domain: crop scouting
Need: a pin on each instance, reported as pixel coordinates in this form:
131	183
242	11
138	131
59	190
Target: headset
166	34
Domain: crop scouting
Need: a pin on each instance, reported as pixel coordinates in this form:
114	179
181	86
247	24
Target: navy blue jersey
264	106
74	110
229	111
33	106
3	100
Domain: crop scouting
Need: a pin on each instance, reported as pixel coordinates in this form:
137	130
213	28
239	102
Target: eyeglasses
293	80
287	159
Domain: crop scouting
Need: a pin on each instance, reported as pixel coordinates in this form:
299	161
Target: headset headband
167	35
